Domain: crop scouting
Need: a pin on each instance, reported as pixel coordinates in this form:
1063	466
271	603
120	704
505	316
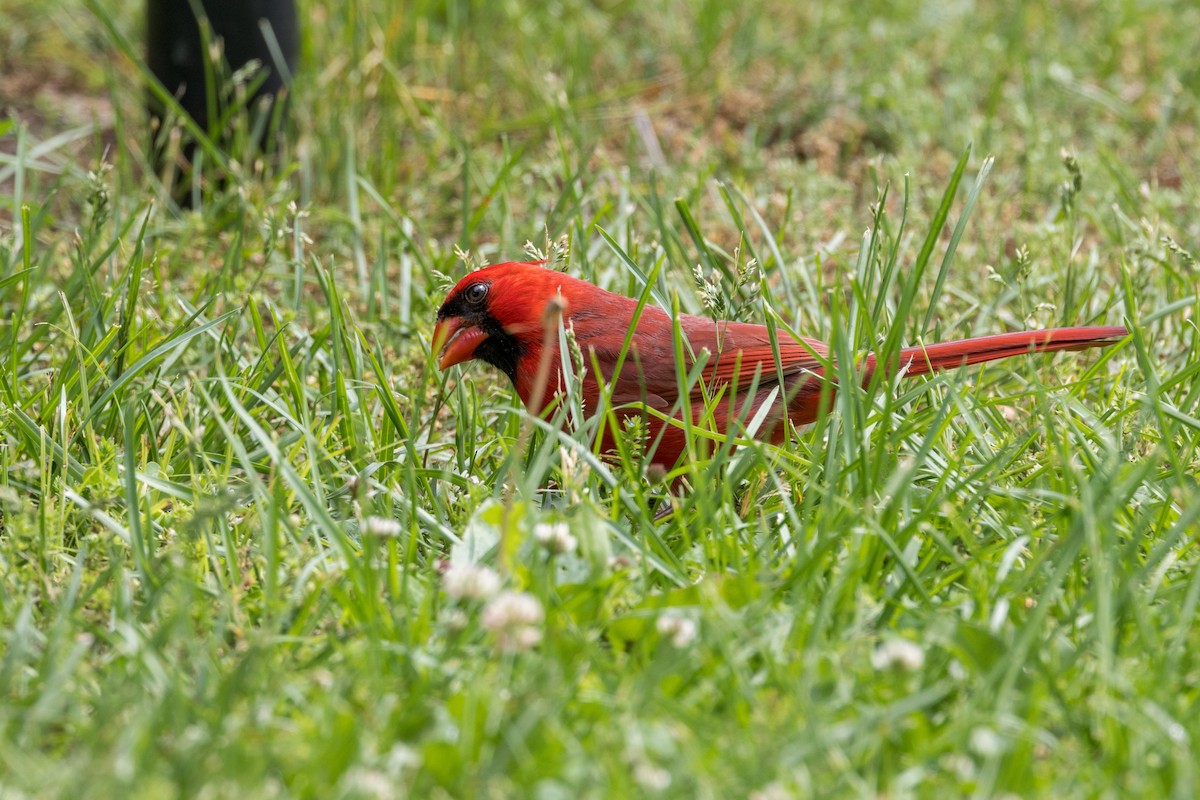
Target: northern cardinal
498	314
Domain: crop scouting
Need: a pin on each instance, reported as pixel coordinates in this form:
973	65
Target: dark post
176	54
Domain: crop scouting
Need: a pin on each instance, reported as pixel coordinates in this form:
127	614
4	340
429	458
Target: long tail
924	359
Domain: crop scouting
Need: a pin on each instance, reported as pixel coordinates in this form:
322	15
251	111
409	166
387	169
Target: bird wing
739	350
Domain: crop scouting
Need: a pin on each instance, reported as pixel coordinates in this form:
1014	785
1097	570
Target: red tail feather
923	359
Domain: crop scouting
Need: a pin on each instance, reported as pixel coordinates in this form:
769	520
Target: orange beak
455	340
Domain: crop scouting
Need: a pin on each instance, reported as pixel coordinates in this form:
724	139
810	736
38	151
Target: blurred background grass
203	408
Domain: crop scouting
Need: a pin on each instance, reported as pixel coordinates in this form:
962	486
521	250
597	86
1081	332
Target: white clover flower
514	618
511	610
898	653
456	619
772	791
679	630
555	537
368	783
471	582
961	765
651	777
985	742
383	527
524	639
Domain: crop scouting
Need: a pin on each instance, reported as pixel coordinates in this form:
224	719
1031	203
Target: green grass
232	479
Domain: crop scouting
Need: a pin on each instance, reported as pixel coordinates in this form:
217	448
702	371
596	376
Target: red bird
499	314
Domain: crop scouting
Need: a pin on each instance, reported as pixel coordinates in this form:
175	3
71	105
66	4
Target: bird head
496	314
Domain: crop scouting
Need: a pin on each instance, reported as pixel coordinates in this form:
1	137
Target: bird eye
476	293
